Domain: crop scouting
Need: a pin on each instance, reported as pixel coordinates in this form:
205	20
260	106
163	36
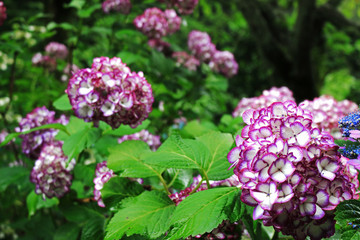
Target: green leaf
62	103
77	213
176	152
195	128
347	215
147	214
203	211
126	130
77	4
10	175
79	141
85	13
118	188
68	231
218	145
11	136
35	202
126	157
93	229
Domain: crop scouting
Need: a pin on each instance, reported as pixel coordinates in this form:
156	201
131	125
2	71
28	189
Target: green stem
207	179
197	186
276	236
174	178
164	184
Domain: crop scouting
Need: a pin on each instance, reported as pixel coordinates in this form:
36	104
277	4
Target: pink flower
122	6
56	50
109	92
200	45
144	135
224	62
186	60
3	15
290	171
102	175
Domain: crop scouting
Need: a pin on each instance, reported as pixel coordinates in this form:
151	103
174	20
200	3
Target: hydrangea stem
173	179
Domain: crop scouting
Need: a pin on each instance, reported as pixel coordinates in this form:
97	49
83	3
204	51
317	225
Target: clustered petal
69	70
121	6
56	50
33	142
184	7
3	15
110	92
224	62
51	173
327	111
265	99
290	171
144	135
44	61
102	175
155	23
186	60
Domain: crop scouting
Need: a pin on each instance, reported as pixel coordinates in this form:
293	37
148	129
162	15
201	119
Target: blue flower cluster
351	151
350	122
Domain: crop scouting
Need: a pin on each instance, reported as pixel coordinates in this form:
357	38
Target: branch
327	13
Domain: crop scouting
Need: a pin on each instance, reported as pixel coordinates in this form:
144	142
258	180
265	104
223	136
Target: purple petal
258	212
319	213
248	116
322	198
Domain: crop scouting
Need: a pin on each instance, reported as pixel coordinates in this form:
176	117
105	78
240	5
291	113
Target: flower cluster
56	50
122	6
51	173
155	23
350	128
186	60
3	15
5	60
152	140
224	62
327	111
53	51
33	142
291	172
202	48
184	7
102	175
267	97
109	92
225	230
159	45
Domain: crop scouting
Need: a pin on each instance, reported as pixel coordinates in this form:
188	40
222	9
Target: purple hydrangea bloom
33	142
186	60
51	174
69	70
291	172
44	61
327	111
159	45
267	97
3	15
185	7
224	62
122	6
200	45
102	175
109	92
56	50
156	24
144	135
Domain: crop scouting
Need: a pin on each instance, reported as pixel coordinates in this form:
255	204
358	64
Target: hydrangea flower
122	6
144	135
185	7
44	61
51	174
290	171
327	111
200	45
224	62
110	92
186	60
3	15
102	175
267	97
33	142
156	24
56	50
